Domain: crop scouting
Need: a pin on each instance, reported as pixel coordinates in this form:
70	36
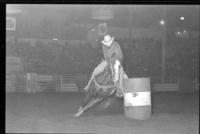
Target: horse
100	88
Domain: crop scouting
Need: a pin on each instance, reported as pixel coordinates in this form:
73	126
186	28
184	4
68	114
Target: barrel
137	98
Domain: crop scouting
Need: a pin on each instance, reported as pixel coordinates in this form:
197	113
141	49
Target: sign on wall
10	23
102	28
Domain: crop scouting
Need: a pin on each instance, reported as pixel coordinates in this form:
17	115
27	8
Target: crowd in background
142	57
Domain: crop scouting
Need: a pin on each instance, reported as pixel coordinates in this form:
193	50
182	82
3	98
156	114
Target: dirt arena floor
172	113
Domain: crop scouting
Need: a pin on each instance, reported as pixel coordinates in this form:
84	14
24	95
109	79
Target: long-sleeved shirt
113	52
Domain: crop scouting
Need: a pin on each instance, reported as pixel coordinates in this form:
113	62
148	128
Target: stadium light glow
55	39
162	22
182	18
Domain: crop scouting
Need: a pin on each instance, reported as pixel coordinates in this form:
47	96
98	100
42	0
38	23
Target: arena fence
33	83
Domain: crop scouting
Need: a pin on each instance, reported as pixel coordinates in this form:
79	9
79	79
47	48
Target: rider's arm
106	56
118	51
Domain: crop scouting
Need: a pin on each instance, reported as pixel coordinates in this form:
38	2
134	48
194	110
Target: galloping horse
100	88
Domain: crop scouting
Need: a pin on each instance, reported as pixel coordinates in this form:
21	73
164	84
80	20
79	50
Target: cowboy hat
107	40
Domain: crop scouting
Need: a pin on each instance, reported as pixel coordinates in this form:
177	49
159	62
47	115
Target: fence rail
32	82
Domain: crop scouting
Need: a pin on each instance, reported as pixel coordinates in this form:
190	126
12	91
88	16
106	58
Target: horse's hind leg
91	103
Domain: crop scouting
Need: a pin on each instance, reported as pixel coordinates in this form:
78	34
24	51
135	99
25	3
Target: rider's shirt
112	52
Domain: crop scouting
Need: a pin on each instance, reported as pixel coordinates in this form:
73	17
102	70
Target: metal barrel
137	98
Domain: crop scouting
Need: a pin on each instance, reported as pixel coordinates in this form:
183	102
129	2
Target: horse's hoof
85	88
80	109
76	115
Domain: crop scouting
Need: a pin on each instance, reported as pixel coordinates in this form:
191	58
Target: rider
113	57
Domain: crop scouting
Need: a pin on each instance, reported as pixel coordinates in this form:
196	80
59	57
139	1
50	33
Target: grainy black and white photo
102	68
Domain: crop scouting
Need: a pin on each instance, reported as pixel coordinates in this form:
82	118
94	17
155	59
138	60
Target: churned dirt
172	113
